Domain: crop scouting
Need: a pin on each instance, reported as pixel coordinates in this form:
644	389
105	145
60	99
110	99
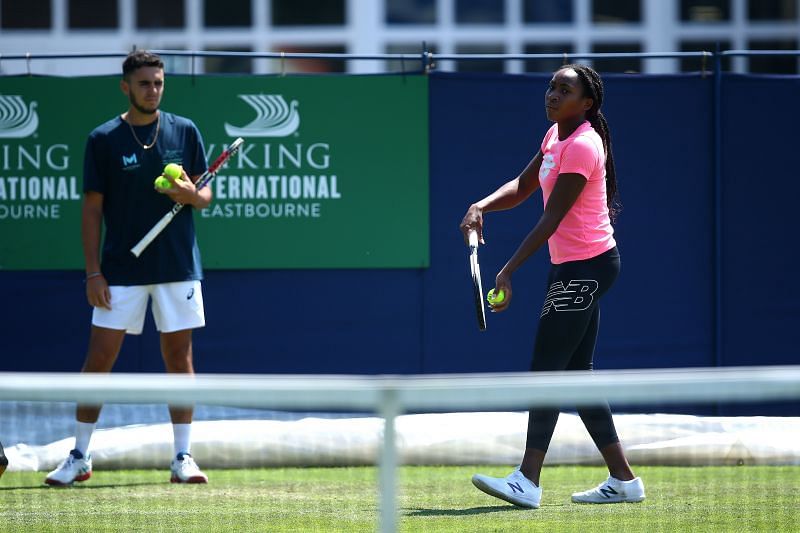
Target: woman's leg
597	419
565	340
558	336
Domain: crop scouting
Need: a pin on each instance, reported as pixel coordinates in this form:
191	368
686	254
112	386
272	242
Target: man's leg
176	347
104	347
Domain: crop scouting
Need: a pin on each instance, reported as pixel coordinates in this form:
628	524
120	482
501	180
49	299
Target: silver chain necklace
155	137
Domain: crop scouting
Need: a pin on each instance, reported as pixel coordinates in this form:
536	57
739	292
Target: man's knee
104	346
178	359
176	349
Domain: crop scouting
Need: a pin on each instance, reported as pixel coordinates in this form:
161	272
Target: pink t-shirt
585	231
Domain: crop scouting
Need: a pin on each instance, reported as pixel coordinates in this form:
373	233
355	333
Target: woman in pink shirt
575	170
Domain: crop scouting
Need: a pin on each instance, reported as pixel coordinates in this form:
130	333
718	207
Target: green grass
744	498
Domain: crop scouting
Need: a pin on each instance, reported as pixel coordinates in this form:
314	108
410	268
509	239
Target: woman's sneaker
612	490
185	470
75	467
514	488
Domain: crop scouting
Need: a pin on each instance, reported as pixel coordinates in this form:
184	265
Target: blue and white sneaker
185	470
514	488
612	490
75	467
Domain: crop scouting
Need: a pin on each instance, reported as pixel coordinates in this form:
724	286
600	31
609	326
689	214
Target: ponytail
593	88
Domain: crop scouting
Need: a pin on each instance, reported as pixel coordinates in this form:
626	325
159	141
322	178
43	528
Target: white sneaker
514	488
75	467
185	470
612	490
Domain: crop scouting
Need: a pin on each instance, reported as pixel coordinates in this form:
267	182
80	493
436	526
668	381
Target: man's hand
97	293
182	190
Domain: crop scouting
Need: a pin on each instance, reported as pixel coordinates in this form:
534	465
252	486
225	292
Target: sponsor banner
333	172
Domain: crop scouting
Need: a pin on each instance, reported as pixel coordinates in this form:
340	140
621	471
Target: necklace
155	137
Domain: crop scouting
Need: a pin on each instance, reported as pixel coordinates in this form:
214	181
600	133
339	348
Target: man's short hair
138	59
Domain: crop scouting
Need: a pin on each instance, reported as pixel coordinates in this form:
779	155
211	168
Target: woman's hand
502	283
472	221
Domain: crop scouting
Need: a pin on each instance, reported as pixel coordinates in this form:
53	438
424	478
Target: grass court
679	499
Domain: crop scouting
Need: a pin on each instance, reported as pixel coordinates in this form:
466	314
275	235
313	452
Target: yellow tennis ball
174	171
495	298
162	182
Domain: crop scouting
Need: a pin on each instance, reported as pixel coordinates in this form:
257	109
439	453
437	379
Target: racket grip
473	238
152	234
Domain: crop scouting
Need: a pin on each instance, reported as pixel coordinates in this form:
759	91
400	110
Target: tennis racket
477	289
207	176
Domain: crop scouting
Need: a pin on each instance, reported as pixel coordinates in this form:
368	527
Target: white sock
182	434
83	434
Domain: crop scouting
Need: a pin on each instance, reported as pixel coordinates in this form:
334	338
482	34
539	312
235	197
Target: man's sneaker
3	460
514	488
185	470
612	490
75	467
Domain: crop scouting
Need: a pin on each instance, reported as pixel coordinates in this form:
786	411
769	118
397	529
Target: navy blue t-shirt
119	168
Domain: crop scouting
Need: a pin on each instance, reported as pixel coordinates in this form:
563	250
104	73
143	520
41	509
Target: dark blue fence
663	312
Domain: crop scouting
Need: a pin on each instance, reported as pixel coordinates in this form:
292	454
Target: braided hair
593	88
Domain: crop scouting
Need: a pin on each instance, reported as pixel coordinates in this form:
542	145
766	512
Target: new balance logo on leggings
577	295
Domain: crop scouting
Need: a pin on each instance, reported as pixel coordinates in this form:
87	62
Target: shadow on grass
461	512
85	487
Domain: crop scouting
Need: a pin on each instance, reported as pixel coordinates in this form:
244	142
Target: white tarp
430	439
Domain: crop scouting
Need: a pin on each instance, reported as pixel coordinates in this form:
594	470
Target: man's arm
97	293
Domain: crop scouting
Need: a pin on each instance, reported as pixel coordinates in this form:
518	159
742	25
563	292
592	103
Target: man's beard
139	107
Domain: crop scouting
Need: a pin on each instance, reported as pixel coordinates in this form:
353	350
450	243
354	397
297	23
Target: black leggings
566	338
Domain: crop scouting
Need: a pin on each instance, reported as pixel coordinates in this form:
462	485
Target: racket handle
473	238
153	233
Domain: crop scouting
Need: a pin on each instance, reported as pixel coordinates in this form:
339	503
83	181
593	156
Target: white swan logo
274	117
16	119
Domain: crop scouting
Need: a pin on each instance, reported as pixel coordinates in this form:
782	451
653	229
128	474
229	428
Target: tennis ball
162	182
173	171
494	299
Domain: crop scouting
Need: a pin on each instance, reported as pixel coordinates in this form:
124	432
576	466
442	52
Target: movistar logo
17	120
128	160
274	117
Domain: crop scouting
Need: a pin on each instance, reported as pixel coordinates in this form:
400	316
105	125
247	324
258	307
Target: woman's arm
566	191
509	195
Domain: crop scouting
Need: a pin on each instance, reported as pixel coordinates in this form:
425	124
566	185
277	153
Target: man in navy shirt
123	157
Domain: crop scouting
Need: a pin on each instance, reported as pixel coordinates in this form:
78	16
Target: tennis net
247	423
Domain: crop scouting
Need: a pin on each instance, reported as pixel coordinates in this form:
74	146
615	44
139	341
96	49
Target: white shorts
176	306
